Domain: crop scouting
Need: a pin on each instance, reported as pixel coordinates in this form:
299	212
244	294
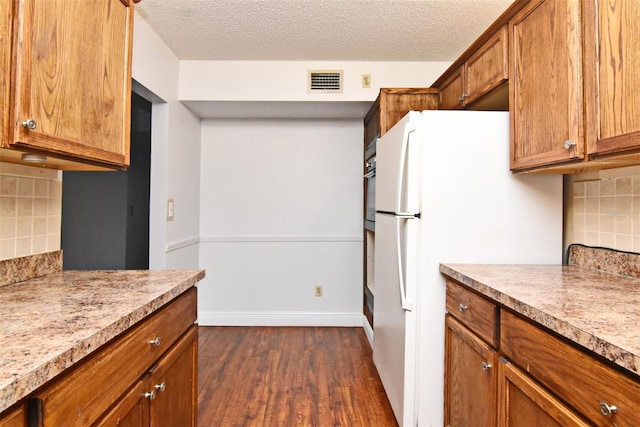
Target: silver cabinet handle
150	395
155	342
568	144
160	387
608	410
463	307
486	366
29	124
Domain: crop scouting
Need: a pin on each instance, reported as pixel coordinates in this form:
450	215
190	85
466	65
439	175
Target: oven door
370	194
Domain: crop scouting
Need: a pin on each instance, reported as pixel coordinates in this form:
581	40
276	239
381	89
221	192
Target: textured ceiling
320	30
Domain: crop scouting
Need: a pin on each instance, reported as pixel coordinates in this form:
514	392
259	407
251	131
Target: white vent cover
325	81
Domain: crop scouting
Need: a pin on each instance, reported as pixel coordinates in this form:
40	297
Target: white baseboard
280	319
368	330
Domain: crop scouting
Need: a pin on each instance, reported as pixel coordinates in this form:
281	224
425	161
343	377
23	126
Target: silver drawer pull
568	144
160	387
486	366
155	342
150	395
608	410
463	307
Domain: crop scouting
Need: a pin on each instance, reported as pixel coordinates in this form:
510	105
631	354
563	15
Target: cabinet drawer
474	311
87	391
576	377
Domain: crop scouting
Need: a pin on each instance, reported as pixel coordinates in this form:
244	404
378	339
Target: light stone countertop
597	310
49	323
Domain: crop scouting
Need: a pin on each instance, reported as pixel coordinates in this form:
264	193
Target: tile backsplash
30	210
605	210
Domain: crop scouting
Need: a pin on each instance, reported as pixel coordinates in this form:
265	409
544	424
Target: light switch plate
170	210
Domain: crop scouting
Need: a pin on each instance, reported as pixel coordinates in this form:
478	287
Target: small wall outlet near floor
318	290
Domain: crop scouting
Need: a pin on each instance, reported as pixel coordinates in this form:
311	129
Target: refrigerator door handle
406	304
408	129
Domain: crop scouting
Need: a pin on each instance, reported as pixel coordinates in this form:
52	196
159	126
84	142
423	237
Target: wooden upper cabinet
391	105
545	85
6	12
482	74
71	80
488	68
612	61
452	91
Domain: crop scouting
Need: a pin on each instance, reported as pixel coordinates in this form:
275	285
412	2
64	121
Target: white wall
175	153
287	80
264	251
281	212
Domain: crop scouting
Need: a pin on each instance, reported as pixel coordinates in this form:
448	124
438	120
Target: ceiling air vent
325	81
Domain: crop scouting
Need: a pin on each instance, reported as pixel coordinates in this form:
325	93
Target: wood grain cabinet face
452	91
576	377
166	396
488	68
15	417
174	380
470	378
131	410
485	71
147	350
477	313
536	378
524	403
545	84
612	53
71	80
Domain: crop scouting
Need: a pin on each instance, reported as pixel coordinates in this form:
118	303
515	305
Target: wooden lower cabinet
166	396
524	403
174	379
470	378
529	376
16	417
147	376
132	410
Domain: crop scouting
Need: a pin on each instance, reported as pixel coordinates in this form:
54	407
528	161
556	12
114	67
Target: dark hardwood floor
289	376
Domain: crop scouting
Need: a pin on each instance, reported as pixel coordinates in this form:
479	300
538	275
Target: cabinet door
6	12
175	380
524	403
452	91
72	79
545	85
488	68
132	410
470	378
612	53
15	417
372	124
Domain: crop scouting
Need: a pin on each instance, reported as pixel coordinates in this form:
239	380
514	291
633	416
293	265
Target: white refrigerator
444	193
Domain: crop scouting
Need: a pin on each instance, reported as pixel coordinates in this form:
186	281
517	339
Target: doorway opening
105	215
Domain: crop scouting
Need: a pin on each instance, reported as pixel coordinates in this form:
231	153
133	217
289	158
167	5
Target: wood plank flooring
289	376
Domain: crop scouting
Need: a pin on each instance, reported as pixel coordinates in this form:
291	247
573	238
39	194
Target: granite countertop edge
565	326
25	384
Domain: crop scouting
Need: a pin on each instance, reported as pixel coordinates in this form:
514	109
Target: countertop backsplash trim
604	259
16	270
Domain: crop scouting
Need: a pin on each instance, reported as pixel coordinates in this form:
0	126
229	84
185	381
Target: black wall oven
370	187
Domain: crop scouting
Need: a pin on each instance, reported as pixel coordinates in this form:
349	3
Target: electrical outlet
366	81
318	290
